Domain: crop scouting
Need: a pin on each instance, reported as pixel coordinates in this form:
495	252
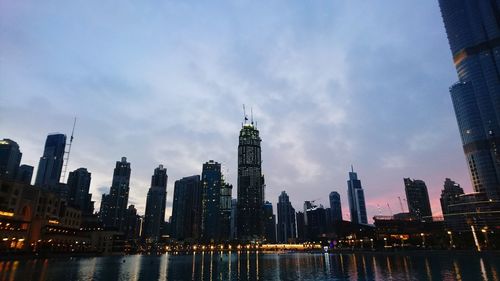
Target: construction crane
389	207
401	205
66	153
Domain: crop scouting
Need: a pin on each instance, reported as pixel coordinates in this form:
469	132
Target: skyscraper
335	206
287	228
187	208
216	203
79	185
114	205
155	205
10	158
51	162
450	195
356	198
250	185
269	223
473	30
417	198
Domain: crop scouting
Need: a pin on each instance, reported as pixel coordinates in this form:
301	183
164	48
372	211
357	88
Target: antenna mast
245	114
66	153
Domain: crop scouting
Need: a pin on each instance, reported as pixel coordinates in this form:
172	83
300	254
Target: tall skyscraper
417	198
114	205
79	186
287	228
187	208
216	203
269	223
450	195
51	162
10	158
234	215
356	198
473	29
250	185
155	205
25	174
335	206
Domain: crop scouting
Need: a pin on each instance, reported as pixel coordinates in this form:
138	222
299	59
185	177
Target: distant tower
286	219
450	195
335	206
156	200
51	163
250	185
10	158
79	186
25	174
114	205
357	205
187	208
417	198
269	223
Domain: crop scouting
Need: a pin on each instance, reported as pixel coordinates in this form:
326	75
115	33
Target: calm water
252	266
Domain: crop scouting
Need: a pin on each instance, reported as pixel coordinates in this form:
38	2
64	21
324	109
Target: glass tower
286	219
335	206
51	163
417	198
356	198
473	29
10	158
154	216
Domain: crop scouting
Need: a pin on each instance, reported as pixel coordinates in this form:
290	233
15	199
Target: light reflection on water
257	266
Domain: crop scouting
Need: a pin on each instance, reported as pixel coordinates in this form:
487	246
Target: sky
331	84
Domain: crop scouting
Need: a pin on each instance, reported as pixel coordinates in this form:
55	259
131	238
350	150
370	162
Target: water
252	266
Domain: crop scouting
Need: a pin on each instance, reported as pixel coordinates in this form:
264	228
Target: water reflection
257	266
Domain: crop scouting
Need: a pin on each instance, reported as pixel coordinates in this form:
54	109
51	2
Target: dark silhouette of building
315	221
473	29
25	174
270	223
187	208
114	204
216	203
357	205
51	162
286	219
234	215
155	205
418	198
335	206
301	226
450	195
10	158
250	185
79	186
132	229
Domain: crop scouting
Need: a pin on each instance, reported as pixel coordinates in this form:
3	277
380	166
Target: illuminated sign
6	214
53	221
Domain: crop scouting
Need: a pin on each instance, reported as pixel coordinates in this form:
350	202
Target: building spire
352	169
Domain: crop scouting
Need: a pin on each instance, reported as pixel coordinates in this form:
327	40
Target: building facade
51	162
250	185
356	196
114	205
154	216
417	198
287	227
79	186
25	174
450	195
270	223
10	158
187	209
335	206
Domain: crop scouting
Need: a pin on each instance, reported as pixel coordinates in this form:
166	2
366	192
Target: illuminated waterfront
258	266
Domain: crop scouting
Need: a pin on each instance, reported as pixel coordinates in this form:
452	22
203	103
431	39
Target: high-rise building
51	162
315	221
301	226
187	209
234	214
114	204
335	206
132	225
356	198
79	186
155	205
250	185
216	203
286	219
473	30
25	174
10	158
269	223
450	195
417	198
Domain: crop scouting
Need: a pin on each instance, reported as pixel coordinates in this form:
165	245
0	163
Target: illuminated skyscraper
473	29
250	185
10	158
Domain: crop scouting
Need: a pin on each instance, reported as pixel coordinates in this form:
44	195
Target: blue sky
331	83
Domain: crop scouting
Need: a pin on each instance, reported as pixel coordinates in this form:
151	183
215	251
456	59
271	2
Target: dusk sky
331	83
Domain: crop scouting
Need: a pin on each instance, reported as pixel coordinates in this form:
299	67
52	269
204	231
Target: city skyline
298	153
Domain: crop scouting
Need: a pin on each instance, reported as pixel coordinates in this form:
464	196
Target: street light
423	239
485	232
451	239
385	242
